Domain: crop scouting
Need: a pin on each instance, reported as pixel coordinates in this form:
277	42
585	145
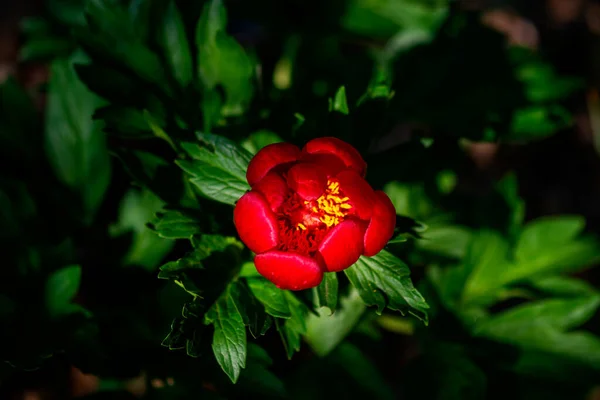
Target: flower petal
307	180
255	222
342	150
381	227
270	157
359	192
274	188
289	271
329	164
343	245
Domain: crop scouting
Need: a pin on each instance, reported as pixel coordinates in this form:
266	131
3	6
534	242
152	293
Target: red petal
343	245
359	192
255	222
274	188
329	164
381	227
307	180
270	157
289	271
342	150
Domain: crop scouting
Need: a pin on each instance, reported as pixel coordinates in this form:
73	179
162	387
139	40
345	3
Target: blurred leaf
229	340
173	224
384	281
126	122
562	286
136	210
409	200
176	46
75	145
45	48
547	233
260	139
325	332
446	240
219	168
273	298
362	370
327	292
340	104
538	121
540	326
257	378
107	83
61	288
222	60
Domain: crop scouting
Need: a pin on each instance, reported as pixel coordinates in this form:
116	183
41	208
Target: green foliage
183	97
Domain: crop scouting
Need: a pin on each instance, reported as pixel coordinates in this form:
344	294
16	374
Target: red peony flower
310	211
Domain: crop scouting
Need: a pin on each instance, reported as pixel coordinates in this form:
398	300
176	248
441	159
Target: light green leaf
61	288
176	45
222	60
260	139
562	286
136	209
273	298
384	281
340	104
229	339
546	233
325	332
327	292
75	144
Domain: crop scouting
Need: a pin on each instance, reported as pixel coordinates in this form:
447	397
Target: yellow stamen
301	226
332	207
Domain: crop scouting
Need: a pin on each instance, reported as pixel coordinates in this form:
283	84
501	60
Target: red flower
310	211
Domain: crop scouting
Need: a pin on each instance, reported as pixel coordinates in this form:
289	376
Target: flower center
303	224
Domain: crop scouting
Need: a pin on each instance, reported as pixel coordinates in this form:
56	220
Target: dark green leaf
362	370
273	298
75	144
229	340
174	224
61	288
257	378
45	48
219	167
206	244
327	292
384	281
252	312
176	46
124	121
292	329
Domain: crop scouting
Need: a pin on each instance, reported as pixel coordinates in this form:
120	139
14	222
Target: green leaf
327	292
222	60
446	240
229	340
273	298
218	168
545	234
325	332
260	139
340	104
125	122
205	244
562	286
384	281
136	209
174	224
174	269
540	326
61	288
108	83
75	145
176	45
252	312
45	48
292	329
